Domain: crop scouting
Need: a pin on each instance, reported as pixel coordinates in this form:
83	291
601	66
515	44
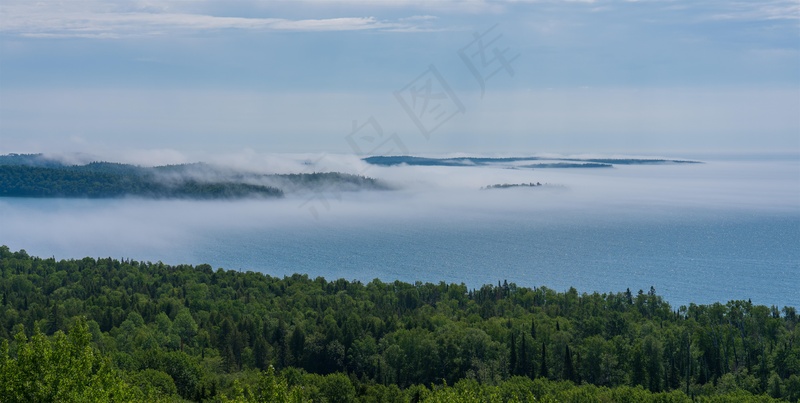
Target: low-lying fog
431	201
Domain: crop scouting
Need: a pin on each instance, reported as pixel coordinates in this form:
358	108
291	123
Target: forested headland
124	330
33	175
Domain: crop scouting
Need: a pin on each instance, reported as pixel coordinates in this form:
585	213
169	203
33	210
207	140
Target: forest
127	330
33	175
560	162
512	185
21	181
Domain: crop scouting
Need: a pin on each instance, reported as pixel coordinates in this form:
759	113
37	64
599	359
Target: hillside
36	176
154	331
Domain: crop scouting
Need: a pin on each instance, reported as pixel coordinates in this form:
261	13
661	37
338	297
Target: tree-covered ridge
572	165
23	181
512	185
183	332
33	160
393	160
35	176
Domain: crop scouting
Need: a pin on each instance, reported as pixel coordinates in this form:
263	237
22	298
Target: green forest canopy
128	331
32	175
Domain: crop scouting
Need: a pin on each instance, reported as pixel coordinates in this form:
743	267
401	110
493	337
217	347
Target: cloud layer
291	76
590	232
117	19
86	19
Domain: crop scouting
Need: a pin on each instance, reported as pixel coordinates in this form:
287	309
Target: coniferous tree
523	358
55	320
279	341
362	329
543	369
260	354
297	344
512	361
569	371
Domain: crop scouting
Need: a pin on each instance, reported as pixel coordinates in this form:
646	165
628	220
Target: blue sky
657	76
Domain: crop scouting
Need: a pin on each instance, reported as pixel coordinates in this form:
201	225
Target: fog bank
78	227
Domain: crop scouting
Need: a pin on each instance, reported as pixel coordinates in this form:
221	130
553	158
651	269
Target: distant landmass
552	162
567	165
513	185
34	175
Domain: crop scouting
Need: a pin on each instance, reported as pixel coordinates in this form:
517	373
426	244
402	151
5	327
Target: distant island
551	162
34	175
568	165
512	185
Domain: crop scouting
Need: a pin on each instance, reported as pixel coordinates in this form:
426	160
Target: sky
179	79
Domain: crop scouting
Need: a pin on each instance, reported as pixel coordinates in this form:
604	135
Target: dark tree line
26	181
203	334
35	176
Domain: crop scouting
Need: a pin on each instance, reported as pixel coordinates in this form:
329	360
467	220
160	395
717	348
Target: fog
718	230
74	228
82	82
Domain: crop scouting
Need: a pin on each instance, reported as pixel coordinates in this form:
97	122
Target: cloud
760	11
134	156
722	217
111	19
706	10
452	6
428	194
420	18
104	21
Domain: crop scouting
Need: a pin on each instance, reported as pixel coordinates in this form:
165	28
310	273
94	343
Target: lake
697	233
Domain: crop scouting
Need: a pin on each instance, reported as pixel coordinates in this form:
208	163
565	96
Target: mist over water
722	230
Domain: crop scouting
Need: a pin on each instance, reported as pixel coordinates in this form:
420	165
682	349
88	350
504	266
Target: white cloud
114	19
457	6
761	10
420	18
104	20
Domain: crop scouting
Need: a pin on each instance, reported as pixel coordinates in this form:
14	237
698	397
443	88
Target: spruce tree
569	371
523	358
512	361
543	368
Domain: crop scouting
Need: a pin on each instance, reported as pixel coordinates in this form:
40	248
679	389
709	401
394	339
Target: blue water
698	259
703	233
